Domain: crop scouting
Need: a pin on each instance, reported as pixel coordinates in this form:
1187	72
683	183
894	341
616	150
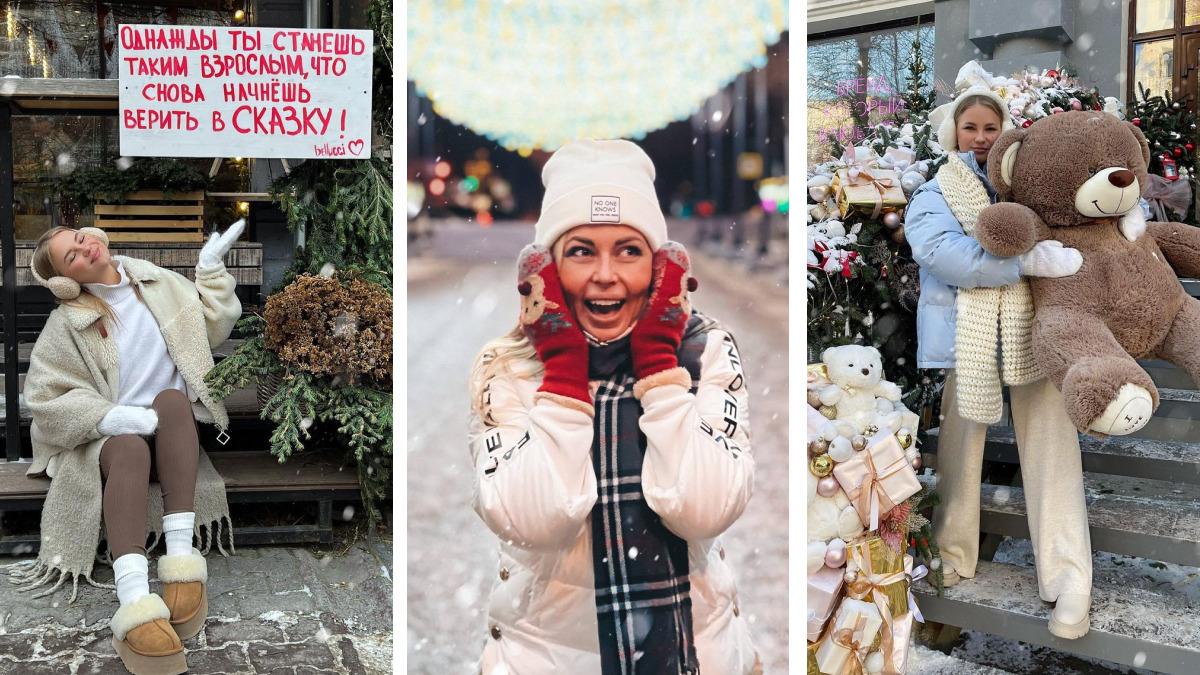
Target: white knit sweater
986	316
145	367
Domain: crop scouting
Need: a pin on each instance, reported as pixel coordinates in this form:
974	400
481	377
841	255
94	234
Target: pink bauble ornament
891	220
916	463
1076	104
835	557
827	486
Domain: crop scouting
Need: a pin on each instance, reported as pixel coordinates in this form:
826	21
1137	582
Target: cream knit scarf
981	310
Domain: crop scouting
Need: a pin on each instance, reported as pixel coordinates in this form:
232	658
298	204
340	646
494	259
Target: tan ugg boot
185	592
144	639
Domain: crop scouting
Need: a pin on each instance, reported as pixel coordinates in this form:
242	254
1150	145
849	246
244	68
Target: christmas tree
1170	129
345	209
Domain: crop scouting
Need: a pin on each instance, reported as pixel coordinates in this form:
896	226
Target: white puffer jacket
538	501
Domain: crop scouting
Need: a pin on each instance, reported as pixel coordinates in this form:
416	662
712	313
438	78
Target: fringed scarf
71	524
985	314
643	603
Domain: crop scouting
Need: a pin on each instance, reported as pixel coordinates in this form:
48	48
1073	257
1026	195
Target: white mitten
128	419
218	245
1050	259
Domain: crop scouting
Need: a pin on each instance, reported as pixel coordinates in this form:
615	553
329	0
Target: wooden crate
152	216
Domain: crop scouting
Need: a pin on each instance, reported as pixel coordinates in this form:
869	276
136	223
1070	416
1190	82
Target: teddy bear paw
1127	413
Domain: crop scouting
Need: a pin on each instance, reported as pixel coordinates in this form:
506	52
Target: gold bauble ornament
905	440
818	447
859	443
830	412
814	398
821	466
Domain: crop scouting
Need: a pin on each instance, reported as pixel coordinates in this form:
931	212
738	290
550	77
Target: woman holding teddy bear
961	284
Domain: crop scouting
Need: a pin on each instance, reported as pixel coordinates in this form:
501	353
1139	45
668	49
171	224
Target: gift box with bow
868	189
896	663
877	479
881	576
846	643
824	590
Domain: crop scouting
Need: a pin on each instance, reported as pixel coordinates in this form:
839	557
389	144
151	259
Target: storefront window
856	81
1153	65
1155	15
67	38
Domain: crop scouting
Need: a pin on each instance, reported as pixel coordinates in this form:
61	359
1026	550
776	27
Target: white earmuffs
943	116
65	288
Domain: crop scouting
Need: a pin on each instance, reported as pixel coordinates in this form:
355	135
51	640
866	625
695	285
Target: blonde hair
42	262
978	99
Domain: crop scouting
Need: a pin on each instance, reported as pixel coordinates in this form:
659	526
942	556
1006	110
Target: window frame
1177	34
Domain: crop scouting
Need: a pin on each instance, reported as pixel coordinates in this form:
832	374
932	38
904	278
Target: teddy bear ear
1137	133
1002	158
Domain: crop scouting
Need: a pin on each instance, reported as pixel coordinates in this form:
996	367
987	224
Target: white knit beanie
943	116
599	182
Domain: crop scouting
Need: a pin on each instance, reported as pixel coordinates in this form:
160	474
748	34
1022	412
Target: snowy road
460	295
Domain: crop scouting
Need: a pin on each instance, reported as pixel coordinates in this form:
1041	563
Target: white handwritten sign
202	91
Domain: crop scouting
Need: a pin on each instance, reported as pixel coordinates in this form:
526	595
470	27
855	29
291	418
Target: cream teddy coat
72	384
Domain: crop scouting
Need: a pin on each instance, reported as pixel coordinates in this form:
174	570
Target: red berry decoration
1178	152
1026	124
1052	73
1137	121
1189	147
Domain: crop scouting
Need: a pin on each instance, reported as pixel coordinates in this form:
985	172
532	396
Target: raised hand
218	245
548	323
656	337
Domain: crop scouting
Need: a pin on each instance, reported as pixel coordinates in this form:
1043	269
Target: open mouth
604	306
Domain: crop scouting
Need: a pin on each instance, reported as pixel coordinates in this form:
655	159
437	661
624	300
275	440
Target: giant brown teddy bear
1070	177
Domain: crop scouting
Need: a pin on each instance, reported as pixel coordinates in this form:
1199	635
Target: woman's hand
656	337
128	419
218	245
1050	259
548	323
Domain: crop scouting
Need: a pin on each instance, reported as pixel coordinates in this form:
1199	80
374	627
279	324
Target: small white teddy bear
828	518
858	391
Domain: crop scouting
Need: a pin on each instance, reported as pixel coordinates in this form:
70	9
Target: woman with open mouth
610	440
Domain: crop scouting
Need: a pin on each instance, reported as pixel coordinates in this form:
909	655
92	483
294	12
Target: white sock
133	581
177	530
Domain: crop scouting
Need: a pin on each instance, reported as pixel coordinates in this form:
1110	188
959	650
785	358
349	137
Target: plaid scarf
643	606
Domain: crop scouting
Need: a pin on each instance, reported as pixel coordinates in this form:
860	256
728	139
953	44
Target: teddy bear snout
1122	178
866	371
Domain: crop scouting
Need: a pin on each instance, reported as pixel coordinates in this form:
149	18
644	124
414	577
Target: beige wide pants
1052	475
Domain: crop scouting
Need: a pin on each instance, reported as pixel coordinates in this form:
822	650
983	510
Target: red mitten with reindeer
555	334
656	337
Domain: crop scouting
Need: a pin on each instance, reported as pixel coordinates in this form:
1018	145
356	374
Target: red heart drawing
356	147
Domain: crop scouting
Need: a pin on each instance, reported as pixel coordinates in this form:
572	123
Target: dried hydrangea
333	328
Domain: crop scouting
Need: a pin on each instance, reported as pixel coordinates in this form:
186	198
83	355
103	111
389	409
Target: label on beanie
606	209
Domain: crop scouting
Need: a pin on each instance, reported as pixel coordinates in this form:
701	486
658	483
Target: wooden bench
251	474
250	477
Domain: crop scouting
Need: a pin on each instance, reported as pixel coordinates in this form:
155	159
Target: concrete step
1117	455
1150	519
1130	626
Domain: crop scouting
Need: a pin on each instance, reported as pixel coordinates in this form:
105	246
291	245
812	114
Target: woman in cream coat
115	386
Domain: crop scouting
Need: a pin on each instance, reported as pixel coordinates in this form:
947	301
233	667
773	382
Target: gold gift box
884	562
872	188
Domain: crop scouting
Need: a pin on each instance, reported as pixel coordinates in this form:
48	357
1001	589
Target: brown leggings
127	464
